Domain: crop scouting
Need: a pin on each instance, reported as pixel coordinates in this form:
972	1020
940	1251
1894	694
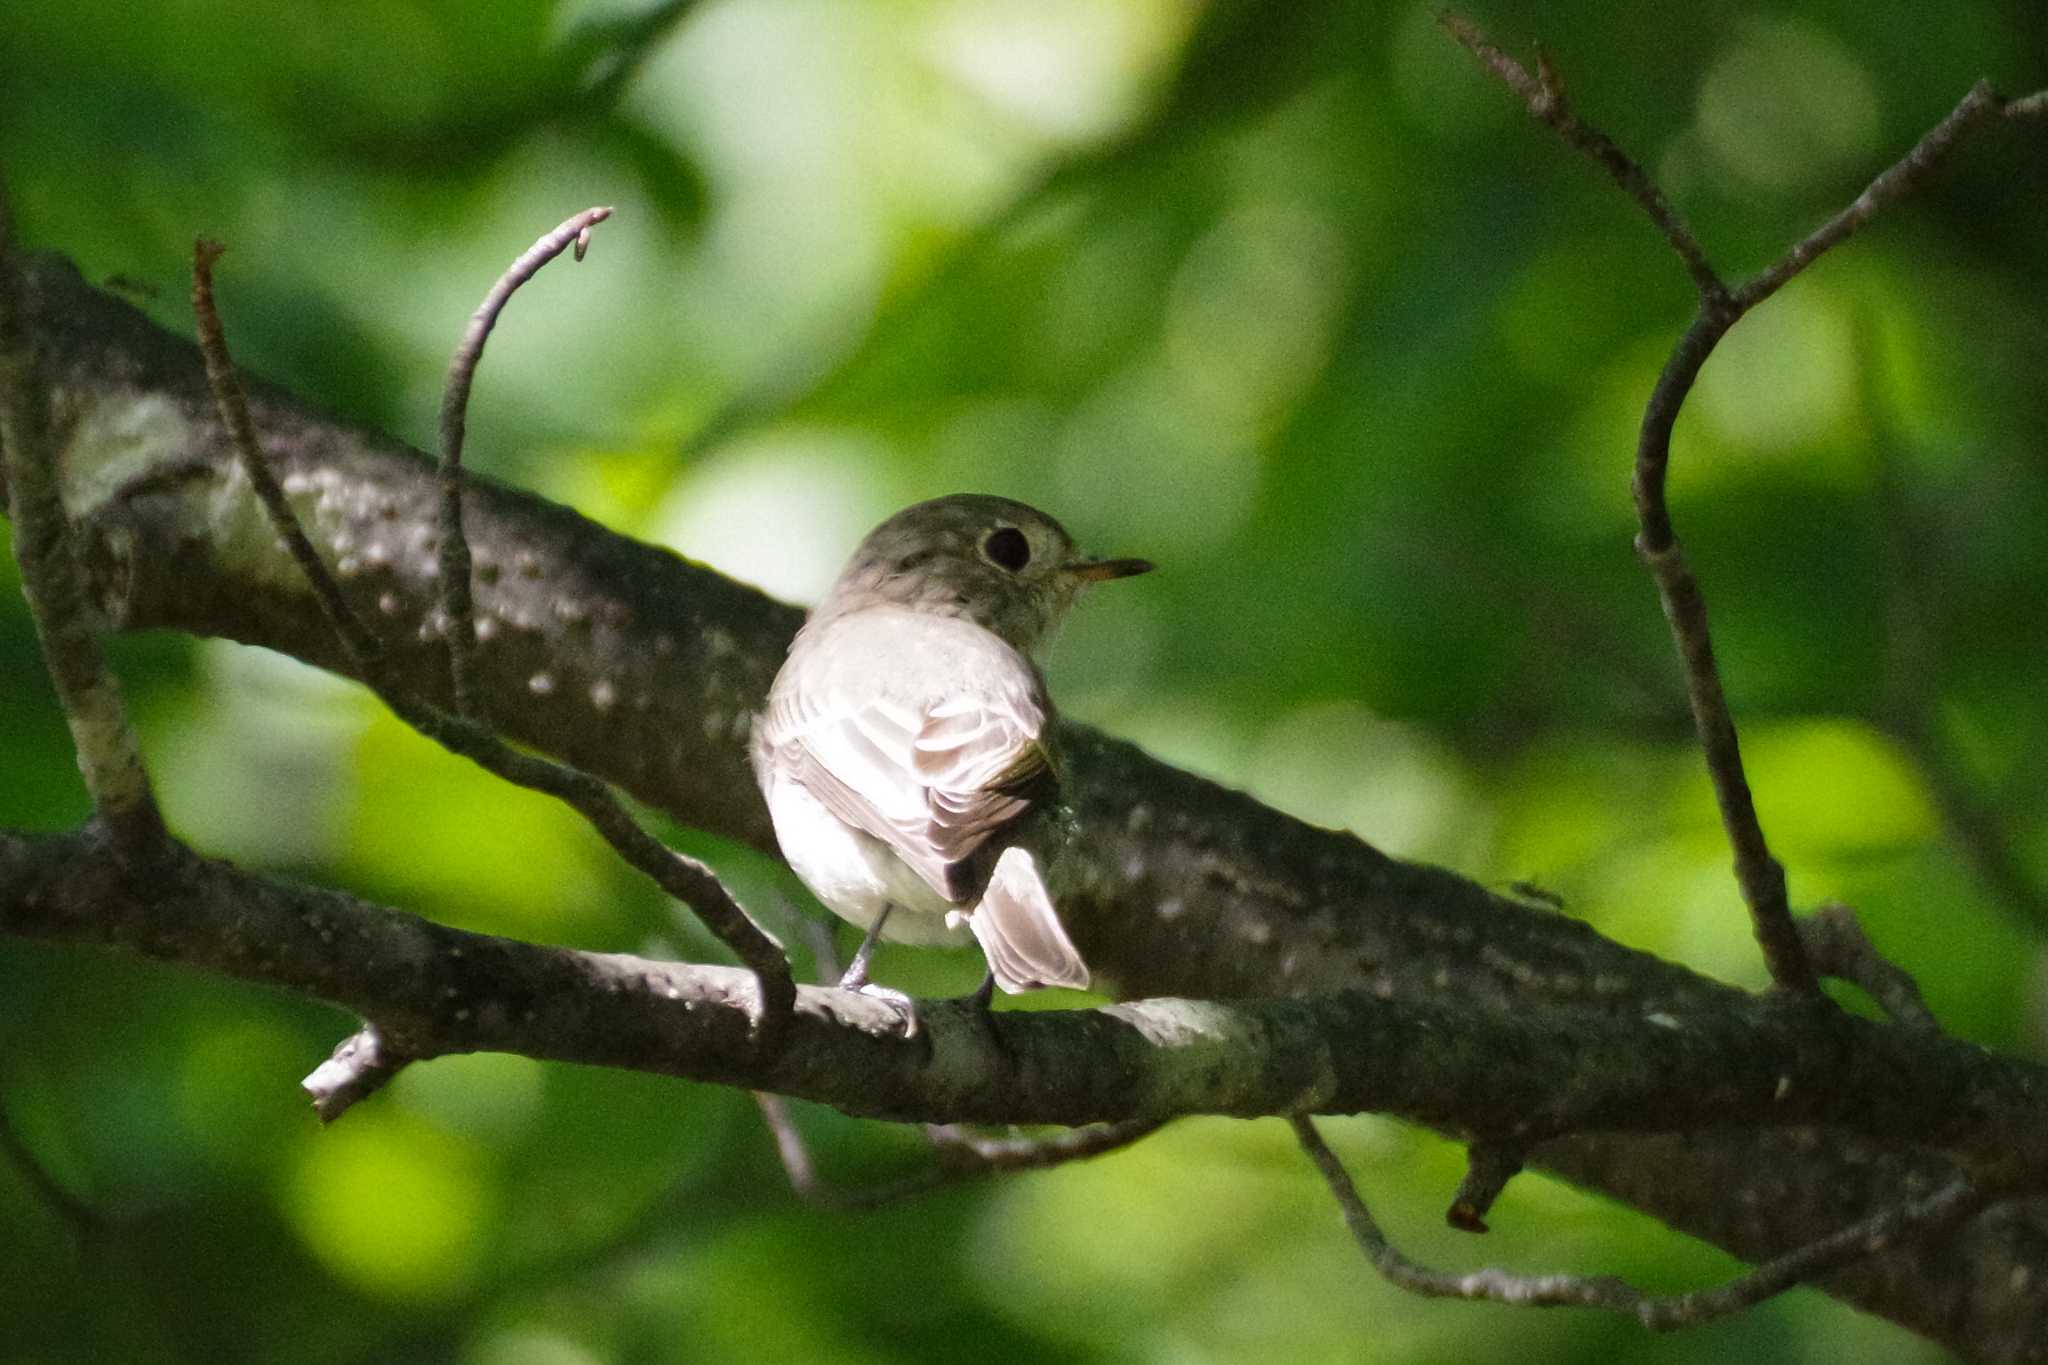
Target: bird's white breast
855	874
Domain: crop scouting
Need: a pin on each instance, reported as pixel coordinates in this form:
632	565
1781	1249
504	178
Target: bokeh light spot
393	1207
1787	104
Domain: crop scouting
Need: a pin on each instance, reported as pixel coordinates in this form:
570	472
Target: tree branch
1946	1208
1760	876
1496	1070
1543	95
688	879
960	1156
52	582
1181	888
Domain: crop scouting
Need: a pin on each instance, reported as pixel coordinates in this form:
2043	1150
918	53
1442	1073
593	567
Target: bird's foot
904	1007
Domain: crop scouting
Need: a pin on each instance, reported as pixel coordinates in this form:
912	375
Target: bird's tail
1020	934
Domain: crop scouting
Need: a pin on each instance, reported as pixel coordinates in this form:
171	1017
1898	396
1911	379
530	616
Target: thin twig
962	1156
685	878
1543	94
1892	184
458	618
1946	1208
83	1218
55	587
1759	875
231	402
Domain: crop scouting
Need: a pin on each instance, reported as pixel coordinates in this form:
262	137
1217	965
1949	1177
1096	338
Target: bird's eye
1007	548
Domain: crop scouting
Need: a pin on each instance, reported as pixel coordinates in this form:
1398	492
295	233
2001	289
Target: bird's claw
903	1005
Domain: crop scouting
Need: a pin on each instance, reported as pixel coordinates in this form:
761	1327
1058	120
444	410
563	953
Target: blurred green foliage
1288	298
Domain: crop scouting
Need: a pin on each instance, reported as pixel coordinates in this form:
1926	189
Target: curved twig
354	1073
961	1156
1947	1207
458	617
1759	875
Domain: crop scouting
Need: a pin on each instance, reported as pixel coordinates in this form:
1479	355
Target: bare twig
51	581
681	876
1759	874
1892	184
83	1219
962	1155
1946	1208
457	611
364	650
1544	95
1838	947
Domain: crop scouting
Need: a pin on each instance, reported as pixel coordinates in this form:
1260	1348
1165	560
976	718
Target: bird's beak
1102	570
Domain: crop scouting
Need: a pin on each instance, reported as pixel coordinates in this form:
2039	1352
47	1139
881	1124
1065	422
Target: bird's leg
855	978
856	974
983	1002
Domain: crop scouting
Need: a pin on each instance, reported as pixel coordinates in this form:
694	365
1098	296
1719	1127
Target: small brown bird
906	752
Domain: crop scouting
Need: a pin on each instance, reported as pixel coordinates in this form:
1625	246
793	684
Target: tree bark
1352	980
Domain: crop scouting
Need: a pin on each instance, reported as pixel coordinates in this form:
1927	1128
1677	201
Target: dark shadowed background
1289	298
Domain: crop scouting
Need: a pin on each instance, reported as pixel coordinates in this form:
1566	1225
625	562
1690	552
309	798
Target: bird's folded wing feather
1020	933
934	781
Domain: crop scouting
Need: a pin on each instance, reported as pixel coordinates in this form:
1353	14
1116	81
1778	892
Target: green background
1289	298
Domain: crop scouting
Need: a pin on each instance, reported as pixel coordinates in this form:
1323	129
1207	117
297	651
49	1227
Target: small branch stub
361	1066
1489	1166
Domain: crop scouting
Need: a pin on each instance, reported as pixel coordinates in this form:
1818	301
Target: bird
906	752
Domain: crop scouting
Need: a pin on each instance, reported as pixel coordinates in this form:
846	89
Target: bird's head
1006	566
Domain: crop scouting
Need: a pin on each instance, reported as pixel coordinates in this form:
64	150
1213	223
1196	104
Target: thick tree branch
653	667
1466	1070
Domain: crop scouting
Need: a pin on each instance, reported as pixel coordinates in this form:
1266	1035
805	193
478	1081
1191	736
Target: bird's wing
1019	931
933	780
